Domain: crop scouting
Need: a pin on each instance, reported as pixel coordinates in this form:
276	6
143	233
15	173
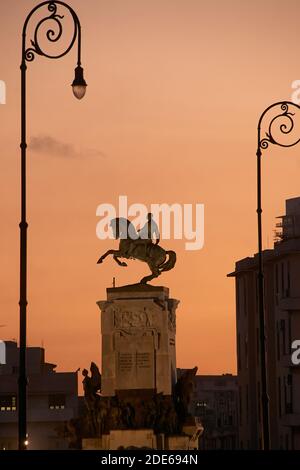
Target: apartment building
52	400
282	319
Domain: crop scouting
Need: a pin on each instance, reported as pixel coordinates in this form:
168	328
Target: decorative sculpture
132	246
184	390
91	387
164	413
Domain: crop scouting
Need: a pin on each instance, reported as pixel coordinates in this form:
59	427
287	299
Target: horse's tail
170	263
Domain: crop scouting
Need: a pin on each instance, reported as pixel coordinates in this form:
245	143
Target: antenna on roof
114	282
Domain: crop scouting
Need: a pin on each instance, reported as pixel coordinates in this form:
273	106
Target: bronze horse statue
133	247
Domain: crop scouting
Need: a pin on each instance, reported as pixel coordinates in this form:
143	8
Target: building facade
215	403
282	320
52	400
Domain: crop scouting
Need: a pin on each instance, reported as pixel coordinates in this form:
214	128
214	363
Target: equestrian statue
139	245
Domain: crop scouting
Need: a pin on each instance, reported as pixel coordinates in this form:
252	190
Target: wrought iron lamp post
279	126
53	35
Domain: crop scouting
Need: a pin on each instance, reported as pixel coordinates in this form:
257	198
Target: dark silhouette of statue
127	415
166	414
150	230
91	387
133	246
184	390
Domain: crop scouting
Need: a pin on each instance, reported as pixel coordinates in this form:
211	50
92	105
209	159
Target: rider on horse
149	232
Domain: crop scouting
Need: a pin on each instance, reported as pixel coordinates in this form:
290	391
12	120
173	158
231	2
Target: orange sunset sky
175	90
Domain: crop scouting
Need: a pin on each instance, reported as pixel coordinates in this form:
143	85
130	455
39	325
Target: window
240	405
278	341
8	403
258	402
276	283
282	328
201	407
290	334
247	404
288	280
279	397
288	393
201	404
57	402
257	346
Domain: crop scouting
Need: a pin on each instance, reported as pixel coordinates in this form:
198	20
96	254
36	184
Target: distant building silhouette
215	403
282	311
52	399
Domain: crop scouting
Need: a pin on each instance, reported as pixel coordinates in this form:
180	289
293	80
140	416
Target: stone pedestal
138	326
122	439
139	438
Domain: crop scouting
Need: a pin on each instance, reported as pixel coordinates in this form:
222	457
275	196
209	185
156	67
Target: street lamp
53	34
281	124
79	85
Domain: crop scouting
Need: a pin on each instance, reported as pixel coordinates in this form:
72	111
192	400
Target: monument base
138	327
142	404
130	439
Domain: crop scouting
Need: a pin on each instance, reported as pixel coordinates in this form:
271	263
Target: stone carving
73	431
172	321
132	319
91	387
127	415
131	246
172	305
136	333
163	413
183	392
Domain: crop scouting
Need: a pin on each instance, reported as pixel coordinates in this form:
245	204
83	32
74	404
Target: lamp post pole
79	87
280	125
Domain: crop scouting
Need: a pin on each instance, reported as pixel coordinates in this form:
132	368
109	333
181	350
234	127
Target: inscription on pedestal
135	370
143	360
125	362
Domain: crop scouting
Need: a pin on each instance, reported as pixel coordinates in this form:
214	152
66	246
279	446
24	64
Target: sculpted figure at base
163	413
91	387
184	390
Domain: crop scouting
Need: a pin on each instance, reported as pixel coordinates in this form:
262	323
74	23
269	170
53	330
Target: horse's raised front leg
109	252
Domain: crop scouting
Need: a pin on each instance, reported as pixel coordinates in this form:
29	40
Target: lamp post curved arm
53	35
283	122
28	54
280	126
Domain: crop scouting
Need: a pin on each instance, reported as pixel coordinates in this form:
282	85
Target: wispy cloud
53	147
